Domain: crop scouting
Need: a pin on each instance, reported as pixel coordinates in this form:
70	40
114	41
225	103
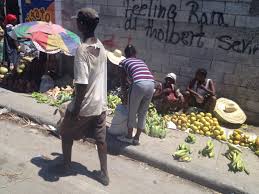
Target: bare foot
101	177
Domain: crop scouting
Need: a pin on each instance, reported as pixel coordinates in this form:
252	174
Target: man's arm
124	85
211	89
190	86
80	91
81	77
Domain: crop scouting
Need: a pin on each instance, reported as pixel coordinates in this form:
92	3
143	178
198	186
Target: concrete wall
182	35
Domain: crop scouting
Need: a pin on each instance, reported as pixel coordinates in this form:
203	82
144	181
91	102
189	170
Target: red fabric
9	18
41	38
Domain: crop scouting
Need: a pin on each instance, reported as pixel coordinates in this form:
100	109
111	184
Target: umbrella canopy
48	37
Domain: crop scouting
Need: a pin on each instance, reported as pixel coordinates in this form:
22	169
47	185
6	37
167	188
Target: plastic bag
46	83
119	121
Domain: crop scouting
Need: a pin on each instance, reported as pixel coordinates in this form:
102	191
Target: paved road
27	155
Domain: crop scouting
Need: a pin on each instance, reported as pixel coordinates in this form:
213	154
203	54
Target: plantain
208	151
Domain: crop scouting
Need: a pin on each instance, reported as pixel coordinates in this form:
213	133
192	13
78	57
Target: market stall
41	48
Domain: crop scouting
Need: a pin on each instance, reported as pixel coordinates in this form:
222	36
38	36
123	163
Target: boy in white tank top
201	92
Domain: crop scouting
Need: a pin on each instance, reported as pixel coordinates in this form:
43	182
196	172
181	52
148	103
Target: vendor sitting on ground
167	97
201	92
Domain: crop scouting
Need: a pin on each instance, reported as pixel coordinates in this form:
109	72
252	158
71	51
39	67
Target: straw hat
115	57
229	111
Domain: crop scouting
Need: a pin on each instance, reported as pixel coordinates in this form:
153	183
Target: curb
171	168
115	147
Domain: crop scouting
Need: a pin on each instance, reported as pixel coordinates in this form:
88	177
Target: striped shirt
136	70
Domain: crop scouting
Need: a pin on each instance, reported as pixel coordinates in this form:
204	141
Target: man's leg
187	98
102	175
100	137
67	153
210	104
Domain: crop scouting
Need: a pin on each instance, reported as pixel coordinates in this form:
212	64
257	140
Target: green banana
232	148
208	151
185	158
236	162
190	139
182	153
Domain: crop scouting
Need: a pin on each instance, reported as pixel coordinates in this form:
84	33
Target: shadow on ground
49	172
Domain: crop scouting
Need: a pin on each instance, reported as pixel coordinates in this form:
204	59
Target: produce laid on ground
236	162
201	123
183	153
190	139
3	71
238	137
54	97
256	146
208	151
113	101
204	124
155	124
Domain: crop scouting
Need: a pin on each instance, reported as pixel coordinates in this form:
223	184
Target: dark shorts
194	103
93	127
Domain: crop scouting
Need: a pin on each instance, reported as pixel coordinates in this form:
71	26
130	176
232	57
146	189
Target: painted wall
182	35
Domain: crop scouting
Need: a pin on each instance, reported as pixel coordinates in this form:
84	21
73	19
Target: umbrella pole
47	64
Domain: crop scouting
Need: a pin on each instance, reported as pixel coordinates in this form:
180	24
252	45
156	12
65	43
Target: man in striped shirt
141	80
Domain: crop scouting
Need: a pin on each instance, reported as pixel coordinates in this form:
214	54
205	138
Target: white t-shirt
91	70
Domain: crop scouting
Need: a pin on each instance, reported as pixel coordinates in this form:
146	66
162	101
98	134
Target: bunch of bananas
155	124
190	139
113	101
256	146
183	153
208	151
236	162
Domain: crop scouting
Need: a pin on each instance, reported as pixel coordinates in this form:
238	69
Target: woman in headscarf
167	97
11	54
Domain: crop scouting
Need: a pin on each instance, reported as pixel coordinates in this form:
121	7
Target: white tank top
199	90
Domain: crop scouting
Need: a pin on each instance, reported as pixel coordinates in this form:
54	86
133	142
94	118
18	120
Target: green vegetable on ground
45	99
155	124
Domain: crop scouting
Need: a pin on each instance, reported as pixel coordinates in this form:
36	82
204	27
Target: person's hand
181	99
200	98
11	66
124	101
73	115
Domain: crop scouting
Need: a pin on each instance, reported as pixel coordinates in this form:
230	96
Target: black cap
86	15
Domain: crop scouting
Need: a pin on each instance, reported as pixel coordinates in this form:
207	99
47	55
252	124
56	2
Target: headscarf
172	76
9	18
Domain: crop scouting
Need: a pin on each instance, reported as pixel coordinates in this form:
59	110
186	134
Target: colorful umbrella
47	37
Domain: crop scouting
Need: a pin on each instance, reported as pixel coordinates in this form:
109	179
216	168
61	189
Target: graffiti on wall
155	13
39	11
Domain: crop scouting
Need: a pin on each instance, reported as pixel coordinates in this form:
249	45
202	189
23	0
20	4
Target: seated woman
167	97
201	92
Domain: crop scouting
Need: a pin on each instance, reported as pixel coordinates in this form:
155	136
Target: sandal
125	139
101	177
